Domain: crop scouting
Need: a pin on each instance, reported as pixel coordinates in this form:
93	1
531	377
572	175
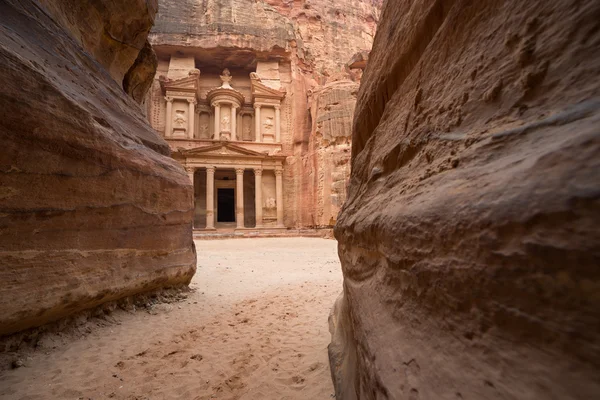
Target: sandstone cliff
92	208
312	40
469	242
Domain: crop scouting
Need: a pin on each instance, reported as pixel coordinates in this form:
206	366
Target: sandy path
255	327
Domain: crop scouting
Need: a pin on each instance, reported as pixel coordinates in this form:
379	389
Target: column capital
278	172
257	106
277	106
169	99
239	171
258	171
190	170
211	169
215	104
192	101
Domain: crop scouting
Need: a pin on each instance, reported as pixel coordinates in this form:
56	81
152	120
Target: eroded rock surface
469	242
92	208
300	47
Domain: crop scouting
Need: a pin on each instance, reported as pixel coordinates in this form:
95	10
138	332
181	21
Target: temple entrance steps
201	234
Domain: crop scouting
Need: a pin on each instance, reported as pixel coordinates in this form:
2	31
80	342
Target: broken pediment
189	84
260	90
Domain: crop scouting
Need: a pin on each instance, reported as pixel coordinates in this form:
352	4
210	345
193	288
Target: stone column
279	191
233	122
258	197
239	197
217	133
277	124
192	115
191	171
257	124
210	197
169	117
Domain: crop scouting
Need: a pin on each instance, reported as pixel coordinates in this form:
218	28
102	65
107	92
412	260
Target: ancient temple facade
226	130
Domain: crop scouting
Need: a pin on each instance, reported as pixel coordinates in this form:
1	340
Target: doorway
225	205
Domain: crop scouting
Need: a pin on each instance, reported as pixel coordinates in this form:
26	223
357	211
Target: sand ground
253	327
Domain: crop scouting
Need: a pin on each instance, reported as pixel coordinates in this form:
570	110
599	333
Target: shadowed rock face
92	208
470	242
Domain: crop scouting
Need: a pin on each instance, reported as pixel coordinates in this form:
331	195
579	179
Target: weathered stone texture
301	47
469	242
92	208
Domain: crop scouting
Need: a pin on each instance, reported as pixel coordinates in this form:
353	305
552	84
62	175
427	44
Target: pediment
261	90
222	149
189	84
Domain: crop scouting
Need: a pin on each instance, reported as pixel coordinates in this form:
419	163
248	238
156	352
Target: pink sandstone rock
470	240
303	47
92	208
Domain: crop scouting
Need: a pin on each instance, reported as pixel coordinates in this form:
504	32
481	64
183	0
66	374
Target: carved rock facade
470	241
287	102
92	207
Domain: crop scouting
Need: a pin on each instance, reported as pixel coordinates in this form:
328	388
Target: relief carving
225	123
179	119
268	124
270	203
203	131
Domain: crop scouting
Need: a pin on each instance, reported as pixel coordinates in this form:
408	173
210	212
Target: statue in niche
247	133
225	125
268	124
270	203
204	131
226	79
180	120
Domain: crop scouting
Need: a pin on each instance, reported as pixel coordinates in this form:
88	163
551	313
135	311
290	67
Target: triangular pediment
261	90
222	149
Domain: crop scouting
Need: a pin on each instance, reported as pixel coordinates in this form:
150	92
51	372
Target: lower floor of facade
237	198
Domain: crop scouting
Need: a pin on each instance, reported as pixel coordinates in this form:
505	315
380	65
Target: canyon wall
312	41
92	208
470	240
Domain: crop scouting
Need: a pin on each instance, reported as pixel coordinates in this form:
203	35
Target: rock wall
312	40
92	208
469	242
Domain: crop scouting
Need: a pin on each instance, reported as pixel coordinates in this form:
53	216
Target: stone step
201	234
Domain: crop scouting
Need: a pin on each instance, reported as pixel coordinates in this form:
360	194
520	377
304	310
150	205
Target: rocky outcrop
469	241
106	29
328	157
312	40
92	208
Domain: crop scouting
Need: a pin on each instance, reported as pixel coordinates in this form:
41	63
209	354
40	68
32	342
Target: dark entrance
225	205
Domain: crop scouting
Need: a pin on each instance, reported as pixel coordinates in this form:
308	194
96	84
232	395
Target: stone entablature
260	147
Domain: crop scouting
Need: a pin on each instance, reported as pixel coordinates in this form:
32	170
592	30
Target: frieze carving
185	95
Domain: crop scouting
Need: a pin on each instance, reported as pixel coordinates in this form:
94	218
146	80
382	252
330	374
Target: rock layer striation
469	241
92	208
